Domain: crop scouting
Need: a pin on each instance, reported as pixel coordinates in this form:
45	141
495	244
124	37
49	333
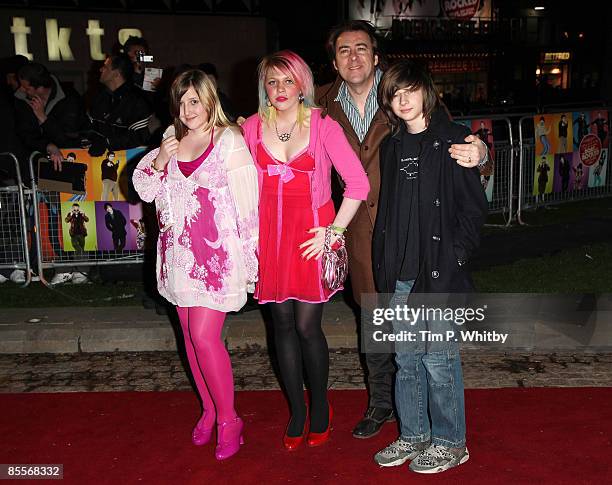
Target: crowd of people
249	208
41	114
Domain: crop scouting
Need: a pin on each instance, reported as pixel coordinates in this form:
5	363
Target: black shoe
372	422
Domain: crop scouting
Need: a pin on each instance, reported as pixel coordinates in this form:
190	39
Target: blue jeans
428	387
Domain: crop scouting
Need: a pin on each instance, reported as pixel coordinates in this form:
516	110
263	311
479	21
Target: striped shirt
359	124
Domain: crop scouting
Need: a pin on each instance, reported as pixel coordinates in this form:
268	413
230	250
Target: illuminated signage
556	56
58	39
461	9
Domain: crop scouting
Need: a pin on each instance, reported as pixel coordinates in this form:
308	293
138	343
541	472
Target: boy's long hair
406	75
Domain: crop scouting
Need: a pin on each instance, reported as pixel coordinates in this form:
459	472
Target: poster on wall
571	150
104	177
544	134
79	226
562	132
109	222
599	126
553	133
113	226
543	181
136	228
597	173
580	122
563	169
381	14
483	129
580	173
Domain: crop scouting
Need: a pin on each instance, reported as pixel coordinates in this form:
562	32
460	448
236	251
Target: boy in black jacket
428	226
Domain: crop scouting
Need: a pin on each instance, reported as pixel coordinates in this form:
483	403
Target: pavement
253	370
112	329
135	329
133	349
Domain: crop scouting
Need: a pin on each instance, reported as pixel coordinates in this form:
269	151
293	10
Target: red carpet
534	436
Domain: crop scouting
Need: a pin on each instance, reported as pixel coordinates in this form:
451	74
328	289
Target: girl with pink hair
294	148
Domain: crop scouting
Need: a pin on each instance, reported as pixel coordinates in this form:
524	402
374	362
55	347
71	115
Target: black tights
299	338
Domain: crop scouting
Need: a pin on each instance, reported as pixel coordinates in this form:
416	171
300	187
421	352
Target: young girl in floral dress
204	184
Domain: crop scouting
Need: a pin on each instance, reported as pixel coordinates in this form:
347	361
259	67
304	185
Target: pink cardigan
328	146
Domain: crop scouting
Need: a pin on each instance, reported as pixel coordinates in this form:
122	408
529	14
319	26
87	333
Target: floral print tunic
206	251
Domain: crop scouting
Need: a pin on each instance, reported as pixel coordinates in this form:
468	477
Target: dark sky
303	26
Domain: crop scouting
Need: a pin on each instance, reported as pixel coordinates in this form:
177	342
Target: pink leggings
210	363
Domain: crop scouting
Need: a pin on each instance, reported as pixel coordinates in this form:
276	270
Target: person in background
10	142
119	115
49	116
226	104
133	47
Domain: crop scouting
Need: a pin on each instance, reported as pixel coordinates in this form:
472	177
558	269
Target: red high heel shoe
292	443
317	439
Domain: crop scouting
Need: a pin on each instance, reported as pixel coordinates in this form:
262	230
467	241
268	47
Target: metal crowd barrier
37	213
503	165
14	252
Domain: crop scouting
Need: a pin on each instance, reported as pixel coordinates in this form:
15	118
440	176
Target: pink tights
210	363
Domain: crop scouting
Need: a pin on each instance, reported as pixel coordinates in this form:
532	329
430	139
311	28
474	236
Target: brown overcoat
359	232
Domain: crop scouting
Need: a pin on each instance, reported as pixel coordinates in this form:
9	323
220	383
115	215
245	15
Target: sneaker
18	276
436	459
79	278
399	452
3	279
61	278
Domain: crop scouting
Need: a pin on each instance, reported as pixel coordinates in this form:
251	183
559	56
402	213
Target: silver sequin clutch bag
334	262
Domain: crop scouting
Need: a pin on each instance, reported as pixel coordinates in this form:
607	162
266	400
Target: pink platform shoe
229	438
200	435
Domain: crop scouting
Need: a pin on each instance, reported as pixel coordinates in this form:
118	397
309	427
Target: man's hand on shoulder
471	153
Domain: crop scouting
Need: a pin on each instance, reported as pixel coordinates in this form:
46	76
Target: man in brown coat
352	101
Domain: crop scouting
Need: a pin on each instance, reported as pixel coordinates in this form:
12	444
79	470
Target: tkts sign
460	9
58	38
